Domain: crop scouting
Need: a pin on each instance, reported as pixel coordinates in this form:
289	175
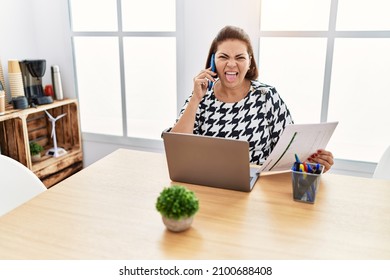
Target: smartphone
212	64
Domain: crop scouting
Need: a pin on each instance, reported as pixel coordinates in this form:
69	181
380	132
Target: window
282	15
330	61
125	59
359	97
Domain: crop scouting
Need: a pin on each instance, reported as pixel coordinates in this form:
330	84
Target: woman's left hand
322	157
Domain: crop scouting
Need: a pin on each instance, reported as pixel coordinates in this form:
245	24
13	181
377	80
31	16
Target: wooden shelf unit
19	127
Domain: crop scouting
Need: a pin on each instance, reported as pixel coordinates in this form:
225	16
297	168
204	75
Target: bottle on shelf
56	80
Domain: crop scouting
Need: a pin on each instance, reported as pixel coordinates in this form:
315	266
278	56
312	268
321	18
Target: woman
231	103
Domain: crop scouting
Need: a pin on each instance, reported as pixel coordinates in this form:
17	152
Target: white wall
38	29
17	31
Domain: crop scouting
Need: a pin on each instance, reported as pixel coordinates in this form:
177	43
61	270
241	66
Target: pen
309	169
297	158
318	169
296	166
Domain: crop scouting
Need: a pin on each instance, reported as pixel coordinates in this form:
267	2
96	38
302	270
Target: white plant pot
36	158
177	225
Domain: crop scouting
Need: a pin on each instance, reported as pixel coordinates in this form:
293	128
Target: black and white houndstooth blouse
259	118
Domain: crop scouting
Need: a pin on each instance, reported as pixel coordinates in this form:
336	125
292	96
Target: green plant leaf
177	202
35	148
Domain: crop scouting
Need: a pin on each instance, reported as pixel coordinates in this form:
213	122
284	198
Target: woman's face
232	62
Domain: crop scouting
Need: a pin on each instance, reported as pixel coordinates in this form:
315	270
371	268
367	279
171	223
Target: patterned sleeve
278	115
184	107
197	117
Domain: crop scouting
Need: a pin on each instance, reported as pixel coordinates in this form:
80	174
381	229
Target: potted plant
177	206
35	151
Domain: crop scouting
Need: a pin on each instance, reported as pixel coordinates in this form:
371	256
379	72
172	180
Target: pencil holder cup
305	181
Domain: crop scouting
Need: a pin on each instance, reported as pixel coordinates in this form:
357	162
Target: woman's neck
231	95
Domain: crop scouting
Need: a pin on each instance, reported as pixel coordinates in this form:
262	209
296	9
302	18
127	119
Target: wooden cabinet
19	127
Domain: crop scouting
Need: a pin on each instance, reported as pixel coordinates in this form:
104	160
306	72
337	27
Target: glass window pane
150	75
99	87
92	15
363	15
303	15
360	98
149	15
295	67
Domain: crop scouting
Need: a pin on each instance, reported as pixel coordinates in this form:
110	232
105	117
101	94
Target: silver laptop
209	161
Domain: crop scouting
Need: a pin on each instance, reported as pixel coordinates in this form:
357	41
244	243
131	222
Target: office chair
18	184
382	170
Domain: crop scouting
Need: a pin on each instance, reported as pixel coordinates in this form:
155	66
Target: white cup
2	102
16	84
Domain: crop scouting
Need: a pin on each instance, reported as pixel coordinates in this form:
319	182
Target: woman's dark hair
235	33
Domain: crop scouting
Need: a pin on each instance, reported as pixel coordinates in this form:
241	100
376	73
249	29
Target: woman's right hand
186	122
201	83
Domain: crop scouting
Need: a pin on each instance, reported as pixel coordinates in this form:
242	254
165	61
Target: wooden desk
107	211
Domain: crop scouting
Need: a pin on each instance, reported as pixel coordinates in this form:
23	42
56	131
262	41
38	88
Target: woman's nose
231	62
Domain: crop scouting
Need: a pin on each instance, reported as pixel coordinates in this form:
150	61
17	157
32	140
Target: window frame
125	140
341	166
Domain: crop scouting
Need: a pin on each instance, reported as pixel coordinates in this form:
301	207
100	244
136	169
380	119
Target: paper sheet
301	139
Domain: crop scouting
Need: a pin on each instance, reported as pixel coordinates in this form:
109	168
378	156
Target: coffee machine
32	73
